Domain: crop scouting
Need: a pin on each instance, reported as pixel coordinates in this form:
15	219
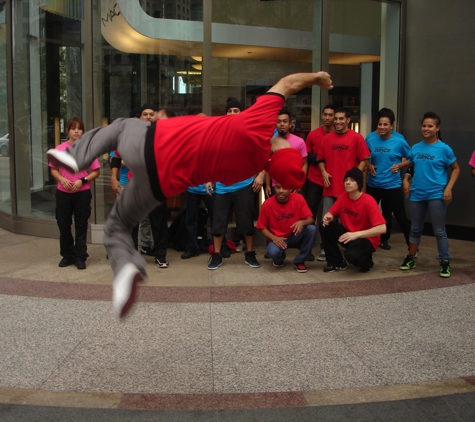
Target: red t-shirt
341	153
192	150
314	139
362	214
277	217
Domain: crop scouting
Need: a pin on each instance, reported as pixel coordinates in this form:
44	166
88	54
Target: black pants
193	201
392	202
68	205
159	223
358	252
314	196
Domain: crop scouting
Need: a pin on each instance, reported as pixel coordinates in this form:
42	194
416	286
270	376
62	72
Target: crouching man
360	228
286	220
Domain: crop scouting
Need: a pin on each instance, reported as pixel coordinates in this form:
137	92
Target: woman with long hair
431	190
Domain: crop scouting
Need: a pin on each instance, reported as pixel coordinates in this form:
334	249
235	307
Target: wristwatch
84	180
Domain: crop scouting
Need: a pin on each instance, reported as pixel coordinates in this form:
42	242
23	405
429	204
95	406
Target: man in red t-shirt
360	228
168	157
287	222
314	177
339	151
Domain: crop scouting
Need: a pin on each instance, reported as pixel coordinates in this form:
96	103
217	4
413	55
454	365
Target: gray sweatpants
136	200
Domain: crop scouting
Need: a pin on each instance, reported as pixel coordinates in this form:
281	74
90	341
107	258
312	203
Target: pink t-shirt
74	176
472	160
297	143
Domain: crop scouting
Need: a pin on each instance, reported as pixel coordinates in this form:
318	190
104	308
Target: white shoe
123	290
63	159
321	256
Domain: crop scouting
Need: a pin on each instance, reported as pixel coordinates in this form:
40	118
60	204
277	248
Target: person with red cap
286	220
168	156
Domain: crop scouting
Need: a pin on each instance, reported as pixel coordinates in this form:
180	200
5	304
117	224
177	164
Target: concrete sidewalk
237	343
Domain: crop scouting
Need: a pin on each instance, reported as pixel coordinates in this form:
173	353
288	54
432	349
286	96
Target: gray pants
145	233
328	201
136	200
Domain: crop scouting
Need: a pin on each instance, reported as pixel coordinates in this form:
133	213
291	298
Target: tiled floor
237	343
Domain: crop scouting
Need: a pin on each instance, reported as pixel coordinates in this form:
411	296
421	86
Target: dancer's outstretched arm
291	84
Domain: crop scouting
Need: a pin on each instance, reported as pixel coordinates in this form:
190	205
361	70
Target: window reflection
5	198
186	10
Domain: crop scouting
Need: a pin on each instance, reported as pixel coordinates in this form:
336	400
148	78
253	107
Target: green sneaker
445	268
409	263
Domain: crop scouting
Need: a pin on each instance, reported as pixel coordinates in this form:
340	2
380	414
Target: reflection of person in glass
73	198
168	156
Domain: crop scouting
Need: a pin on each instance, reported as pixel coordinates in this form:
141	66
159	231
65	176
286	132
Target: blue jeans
437	211
304	240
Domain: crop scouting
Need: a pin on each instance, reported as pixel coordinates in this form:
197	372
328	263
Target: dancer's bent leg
135	202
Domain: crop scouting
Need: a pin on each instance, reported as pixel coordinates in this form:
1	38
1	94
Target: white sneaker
63	159
241	247
321	256
123	289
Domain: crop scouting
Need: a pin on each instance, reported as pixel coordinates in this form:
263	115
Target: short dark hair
344	110
387	112
73	123
168	112
330	106
285	110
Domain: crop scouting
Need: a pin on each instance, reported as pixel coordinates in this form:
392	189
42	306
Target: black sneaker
81	264
66	262
146	250
312	257
266	256
225	251
300	267
321	256
385	245
250	259
161	261
445	268
333	268
189	254
409	263
366	269
215	261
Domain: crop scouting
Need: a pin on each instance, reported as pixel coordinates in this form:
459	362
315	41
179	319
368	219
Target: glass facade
99	60
5	195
